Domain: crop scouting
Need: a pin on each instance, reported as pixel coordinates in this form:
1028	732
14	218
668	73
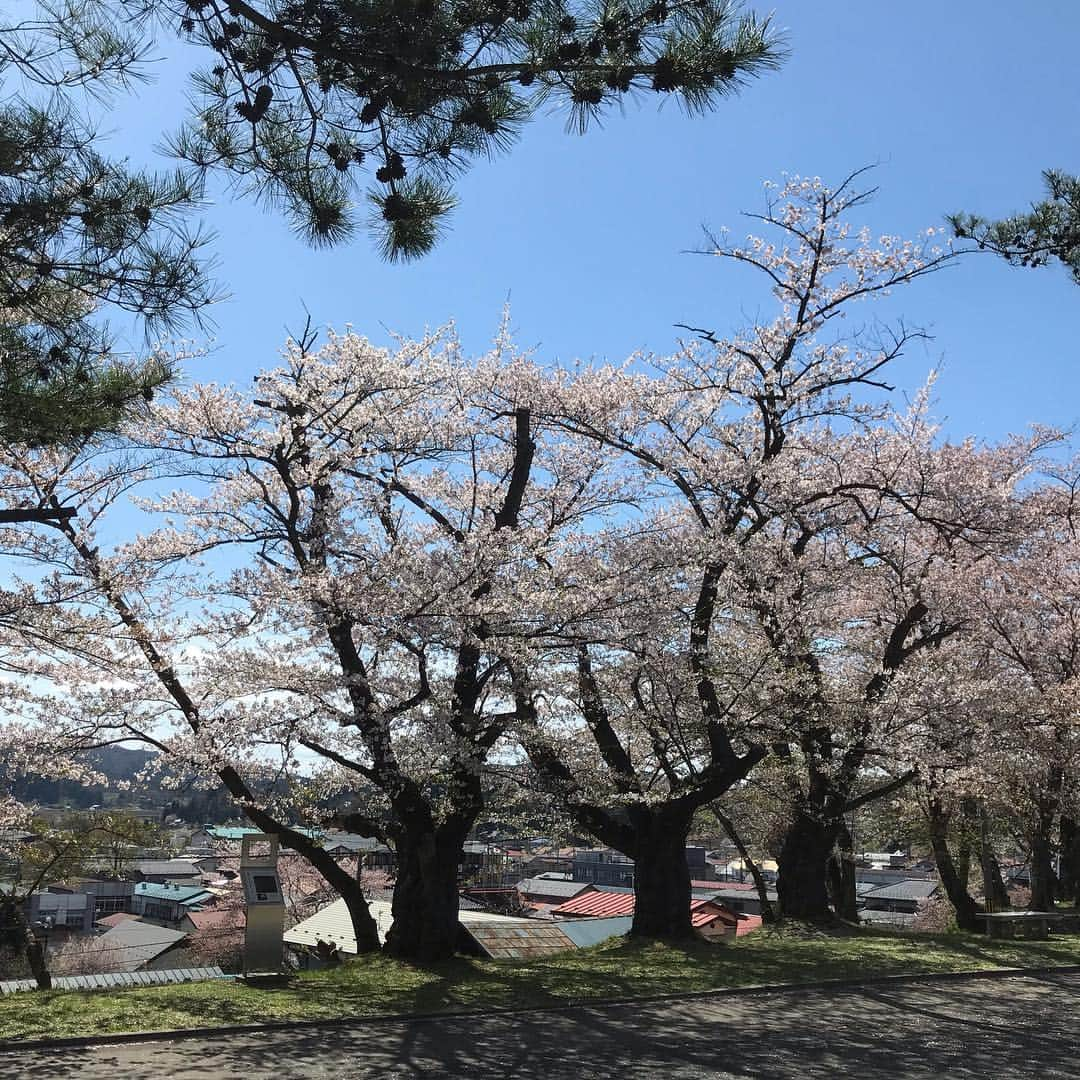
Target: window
265	884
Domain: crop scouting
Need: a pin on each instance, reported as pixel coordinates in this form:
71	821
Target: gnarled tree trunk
661	875
1043	880
425	904
802	889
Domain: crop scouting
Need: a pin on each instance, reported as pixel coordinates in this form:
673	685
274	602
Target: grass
371	985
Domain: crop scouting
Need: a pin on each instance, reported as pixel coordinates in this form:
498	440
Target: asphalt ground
1015	1027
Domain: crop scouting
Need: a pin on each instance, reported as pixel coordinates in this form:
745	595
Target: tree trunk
802	889
1069	878
32	946
965	906
661	876
425	905
841	871
768	912
994	891
1042	866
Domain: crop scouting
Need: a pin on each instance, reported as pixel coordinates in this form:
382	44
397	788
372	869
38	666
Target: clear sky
960	103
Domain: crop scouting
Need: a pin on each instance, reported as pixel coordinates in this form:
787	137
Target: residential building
66	911
133	945
168	903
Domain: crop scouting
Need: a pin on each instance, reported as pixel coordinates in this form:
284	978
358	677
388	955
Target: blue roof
182	894
238	832
586	932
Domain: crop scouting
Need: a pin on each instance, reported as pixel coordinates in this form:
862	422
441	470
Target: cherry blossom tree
748	453
1031	631
400	528
119	666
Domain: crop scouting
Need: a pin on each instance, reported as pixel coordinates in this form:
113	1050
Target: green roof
238	832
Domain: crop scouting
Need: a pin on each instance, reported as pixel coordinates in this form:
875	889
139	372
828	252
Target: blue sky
960	104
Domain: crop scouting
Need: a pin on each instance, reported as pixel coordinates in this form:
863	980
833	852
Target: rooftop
182	894
132	943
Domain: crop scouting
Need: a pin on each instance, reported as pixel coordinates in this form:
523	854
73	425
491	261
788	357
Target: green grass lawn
367	986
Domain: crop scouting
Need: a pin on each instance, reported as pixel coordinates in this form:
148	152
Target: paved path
970	1030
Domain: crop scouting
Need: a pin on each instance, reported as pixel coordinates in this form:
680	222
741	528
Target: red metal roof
742	886
597	904
702	912
746	924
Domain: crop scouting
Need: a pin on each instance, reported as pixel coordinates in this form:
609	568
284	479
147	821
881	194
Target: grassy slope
378	985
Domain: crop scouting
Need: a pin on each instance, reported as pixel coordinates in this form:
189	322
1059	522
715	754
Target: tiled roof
508	939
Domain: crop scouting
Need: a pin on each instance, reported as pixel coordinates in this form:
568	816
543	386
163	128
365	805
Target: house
713	921
740	897
134	945
169	903
70	911
375	855
900	897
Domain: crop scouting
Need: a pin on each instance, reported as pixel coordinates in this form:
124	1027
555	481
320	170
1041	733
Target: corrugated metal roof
903	890
119	980
597	904
704	912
